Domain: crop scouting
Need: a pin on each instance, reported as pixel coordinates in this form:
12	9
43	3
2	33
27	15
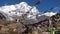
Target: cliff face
2	17
56	20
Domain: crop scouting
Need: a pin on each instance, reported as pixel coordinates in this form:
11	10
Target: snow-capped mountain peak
49	14
12	12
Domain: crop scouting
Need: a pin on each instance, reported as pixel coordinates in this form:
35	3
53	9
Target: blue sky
44	5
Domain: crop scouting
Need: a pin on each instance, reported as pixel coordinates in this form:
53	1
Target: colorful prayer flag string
37	3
